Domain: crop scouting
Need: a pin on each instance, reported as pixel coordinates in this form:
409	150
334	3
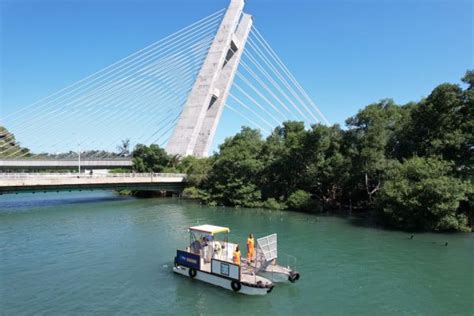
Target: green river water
97	253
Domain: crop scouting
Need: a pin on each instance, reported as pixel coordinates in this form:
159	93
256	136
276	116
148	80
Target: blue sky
346	54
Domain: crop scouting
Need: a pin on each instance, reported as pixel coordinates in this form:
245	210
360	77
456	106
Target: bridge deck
64	163
30	182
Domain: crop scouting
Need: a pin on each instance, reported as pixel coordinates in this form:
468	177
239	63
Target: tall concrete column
205	93
223	85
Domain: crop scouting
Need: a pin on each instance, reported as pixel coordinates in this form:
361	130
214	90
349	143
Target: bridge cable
209	43
216	15
279	76
37	117
287	71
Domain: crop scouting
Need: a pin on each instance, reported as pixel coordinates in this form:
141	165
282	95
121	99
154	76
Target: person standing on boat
196	247
205	248
236	255
250	248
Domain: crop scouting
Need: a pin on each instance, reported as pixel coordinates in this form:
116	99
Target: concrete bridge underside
18	183
36	164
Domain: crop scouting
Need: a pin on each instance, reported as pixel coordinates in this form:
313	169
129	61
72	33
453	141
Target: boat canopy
209	229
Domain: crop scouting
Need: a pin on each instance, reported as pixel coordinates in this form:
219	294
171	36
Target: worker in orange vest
236	255
250	248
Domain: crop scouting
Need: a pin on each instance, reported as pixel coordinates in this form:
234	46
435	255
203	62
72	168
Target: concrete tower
197	124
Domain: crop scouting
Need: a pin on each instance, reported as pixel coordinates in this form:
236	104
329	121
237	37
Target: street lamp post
78	155
79	162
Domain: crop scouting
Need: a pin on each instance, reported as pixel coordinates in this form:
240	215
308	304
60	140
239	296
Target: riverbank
363	217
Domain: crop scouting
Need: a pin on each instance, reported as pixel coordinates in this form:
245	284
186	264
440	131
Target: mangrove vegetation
409	166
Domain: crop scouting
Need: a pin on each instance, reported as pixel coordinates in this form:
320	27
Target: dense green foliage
149	159
420	193
411	166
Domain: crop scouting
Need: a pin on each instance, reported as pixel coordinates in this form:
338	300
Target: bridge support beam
197	124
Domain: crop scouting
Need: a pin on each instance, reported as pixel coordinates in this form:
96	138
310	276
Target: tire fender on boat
192	273
293	277
236	286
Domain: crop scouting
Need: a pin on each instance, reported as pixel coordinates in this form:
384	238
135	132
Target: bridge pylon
197	124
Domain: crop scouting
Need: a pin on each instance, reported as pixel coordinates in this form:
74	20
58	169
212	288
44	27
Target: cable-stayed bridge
171	93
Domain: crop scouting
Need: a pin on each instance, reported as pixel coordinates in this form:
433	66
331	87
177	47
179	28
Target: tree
284	161
197	169
327	169
443	124
124	148
149	158
235	170
368	144
466	160
420	193
301	201
469	79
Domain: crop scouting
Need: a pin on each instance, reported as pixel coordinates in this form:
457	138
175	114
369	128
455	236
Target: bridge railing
87	175
73	159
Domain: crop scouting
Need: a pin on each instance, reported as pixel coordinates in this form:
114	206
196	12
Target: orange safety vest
237	257
250	244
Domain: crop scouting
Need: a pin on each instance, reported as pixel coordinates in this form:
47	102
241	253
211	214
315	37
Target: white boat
210	260
266	262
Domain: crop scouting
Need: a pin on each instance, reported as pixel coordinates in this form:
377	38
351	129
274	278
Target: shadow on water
39	201
363	219
368	220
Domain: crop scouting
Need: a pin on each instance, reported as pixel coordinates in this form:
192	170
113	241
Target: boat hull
222	282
